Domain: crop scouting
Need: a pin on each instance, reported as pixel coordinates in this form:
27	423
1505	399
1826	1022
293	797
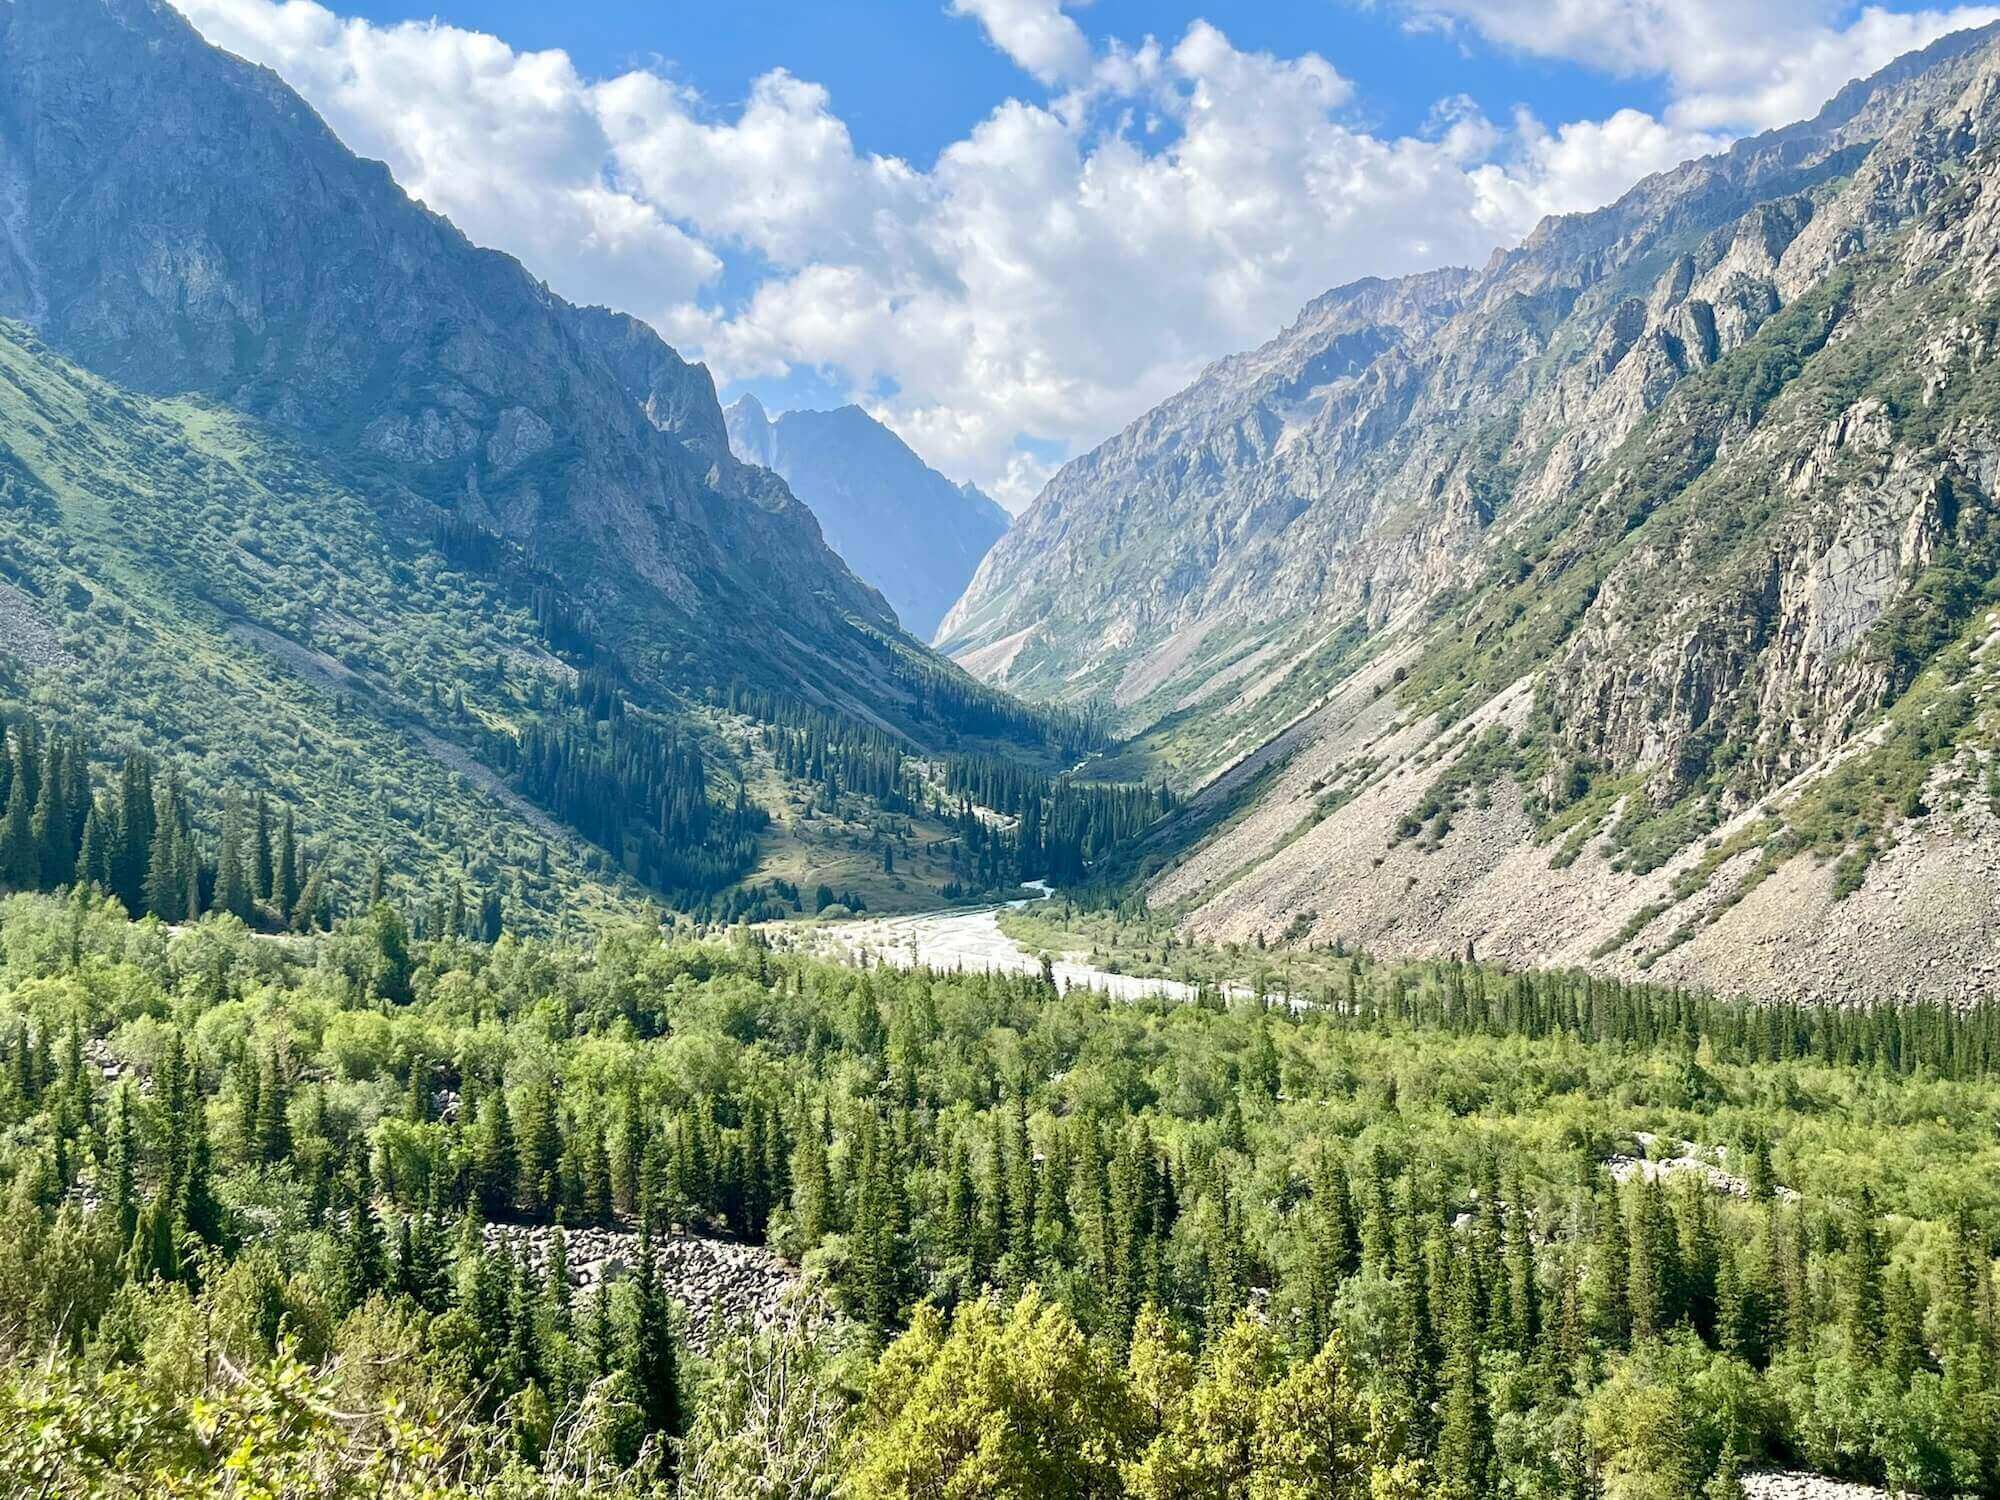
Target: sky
1010	227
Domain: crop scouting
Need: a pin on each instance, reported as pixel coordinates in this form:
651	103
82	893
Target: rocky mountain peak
898	522
1626	568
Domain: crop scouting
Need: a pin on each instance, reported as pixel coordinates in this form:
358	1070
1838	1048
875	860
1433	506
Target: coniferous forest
311	1215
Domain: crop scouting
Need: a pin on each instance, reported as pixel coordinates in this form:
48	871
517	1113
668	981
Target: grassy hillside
178	579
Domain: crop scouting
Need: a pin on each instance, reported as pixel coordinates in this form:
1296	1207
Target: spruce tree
496	1164
649	1355
273	1136
261	871
1465	1434
49	826
286	892
232	878
132	848
93	856
20	860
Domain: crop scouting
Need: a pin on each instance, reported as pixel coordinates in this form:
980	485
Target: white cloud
1729	64
1035	33
1581	165
505	144
1066	264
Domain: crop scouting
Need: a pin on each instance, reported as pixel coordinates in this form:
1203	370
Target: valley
1420	922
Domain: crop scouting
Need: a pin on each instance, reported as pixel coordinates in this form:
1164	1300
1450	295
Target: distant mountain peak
896	521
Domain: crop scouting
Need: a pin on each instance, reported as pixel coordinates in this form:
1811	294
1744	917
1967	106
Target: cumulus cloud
1730	65
507	145
1068	263
1035	34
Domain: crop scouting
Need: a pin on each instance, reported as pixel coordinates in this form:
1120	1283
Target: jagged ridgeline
1628	602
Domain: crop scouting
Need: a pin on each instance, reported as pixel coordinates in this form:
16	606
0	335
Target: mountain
307	493
180	222
1623	603
897	522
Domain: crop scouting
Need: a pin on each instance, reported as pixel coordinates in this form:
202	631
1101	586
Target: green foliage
1370	1246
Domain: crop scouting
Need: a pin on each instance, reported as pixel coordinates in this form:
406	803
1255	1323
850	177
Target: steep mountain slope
317	497
1567	621
179	221
897	522
178	580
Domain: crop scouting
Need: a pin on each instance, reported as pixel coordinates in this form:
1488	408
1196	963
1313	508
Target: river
970	938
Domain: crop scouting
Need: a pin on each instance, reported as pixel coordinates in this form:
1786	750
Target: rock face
1402	436
896	521
1557	607
179	221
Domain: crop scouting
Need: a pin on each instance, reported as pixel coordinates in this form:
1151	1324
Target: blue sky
909	77
1011	226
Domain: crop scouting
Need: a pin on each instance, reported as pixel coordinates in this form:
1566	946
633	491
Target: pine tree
363	1264
93	857
49	826
649	1356
166	872
1651	1283
310	910
261	871
232	880
881	1249
273	1136
132	853
540	1150
286	892
1862	1292
496	1165
19	858
1465	1436
121	1200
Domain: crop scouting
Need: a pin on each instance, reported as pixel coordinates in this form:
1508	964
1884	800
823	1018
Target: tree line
137	838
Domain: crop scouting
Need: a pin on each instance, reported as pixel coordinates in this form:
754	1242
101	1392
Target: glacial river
969	938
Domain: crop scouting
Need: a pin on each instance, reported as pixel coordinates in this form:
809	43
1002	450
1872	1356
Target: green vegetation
1062	1245
185	583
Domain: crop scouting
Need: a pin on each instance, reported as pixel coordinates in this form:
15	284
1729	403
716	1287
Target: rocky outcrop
895	520
1774	1485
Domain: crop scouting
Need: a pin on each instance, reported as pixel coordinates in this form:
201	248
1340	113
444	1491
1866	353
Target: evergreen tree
286	878
232	879
20	862
1465	1437
273	1134
496	1165
93	857
650	1358
262	873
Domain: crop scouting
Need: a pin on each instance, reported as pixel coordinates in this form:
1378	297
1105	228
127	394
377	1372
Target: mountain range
893	519
307	490
1623	602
